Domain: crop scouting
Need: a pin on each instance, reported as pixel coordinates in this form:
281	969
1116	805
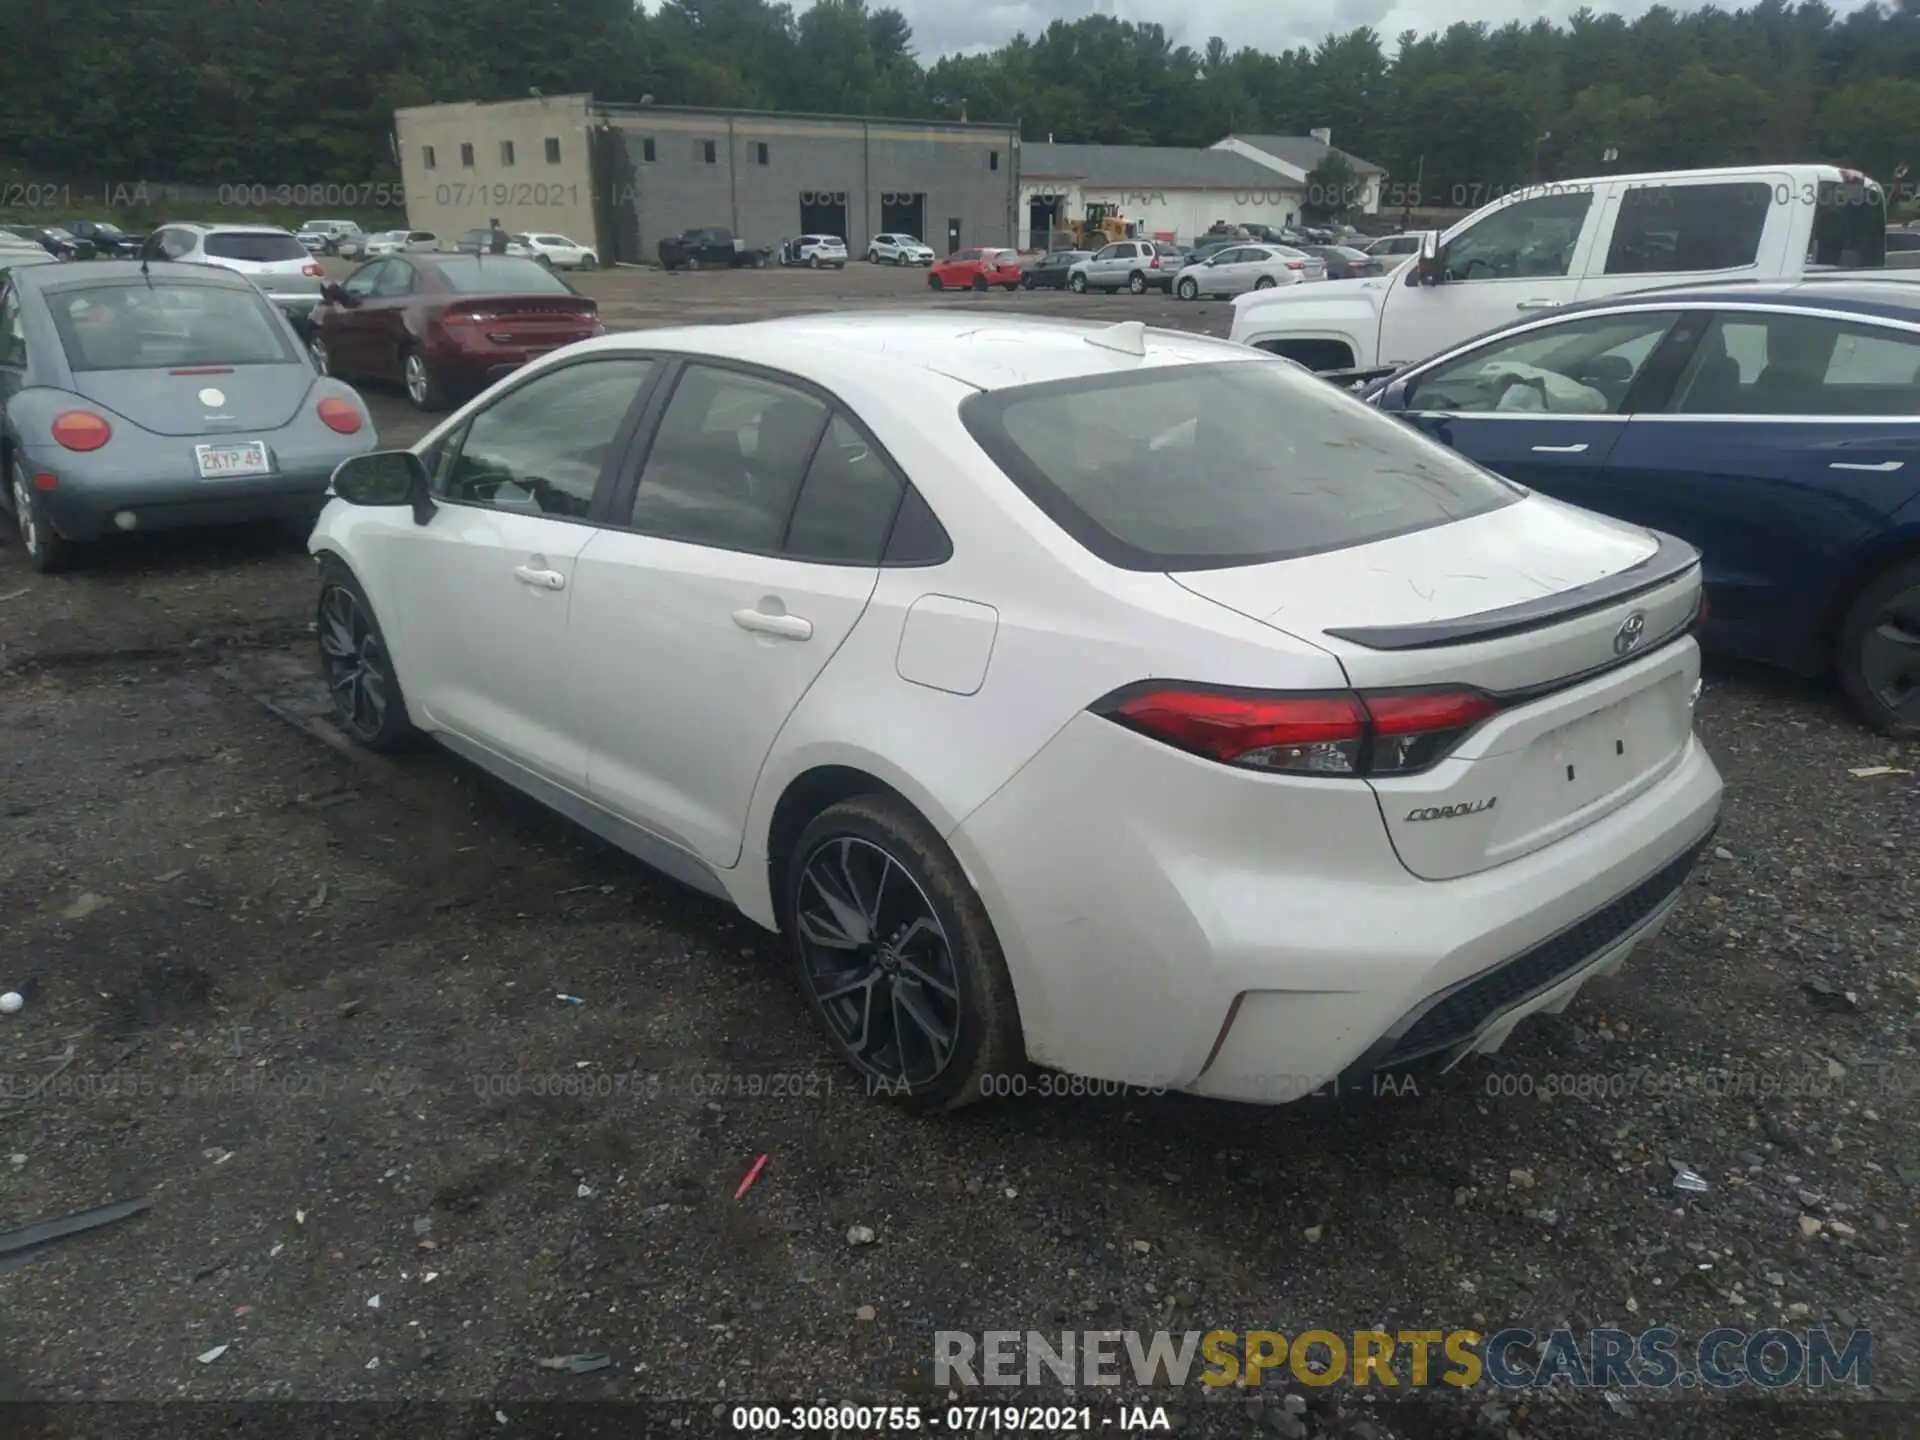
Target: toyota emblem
1632	631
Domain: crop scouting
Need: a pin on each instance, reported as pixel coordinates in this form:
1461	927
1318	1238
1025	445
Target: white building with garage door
1171	192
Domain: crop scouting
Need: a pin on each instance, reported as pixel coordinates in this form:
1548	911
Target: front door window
1526	240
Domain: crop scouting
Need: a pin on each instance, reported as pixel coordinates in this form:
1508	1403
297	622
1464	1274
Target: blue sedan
1776	426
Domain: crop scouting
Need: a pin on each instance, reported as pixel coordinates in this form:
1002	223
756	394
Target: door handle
789	627
1538	305
1885	467
1560	449
539	579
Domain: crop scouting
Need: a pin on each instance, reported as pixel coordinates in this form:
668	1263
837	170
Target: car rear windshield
1196	467
254	245
499	274
167	325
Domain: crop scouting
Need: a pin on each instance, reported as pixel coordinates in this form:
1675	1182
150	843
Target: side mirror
1394	397
385	478
1430	268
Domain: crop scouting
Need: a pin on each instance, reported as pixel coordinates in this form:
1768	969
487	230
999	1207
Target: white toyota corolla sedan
1123	702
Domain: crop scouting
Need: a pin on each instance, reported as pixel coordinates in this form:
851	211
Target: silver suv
1136	265
273	259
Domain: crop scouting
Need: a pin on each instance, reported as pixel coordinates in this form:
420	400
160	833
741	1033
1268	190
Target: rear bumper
1259	942
82	507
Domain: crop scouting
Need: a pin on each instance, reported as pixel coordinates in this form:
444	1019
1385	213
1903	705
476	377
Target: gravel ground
306	1002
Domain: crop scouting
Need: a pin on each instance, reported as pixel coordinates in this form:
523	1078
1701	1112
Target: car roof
209	228
129	272
986	352
1853	291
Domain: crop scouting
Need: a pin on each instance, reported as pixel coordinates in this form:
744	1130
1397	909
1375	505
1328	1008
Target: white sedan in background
1043	685
558	251
1240	268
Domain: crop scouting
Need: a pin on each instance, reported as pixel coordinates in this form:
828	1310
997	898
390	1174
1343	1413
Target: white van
1551	244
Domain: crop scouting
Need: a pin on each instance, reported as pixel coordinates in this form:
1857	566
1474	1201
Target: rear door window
1789	364
259	246
1190	467
1667	229
847	501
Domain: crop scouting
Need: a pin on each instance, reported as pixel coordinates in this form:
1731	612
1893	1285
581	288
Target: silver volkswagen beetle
150	397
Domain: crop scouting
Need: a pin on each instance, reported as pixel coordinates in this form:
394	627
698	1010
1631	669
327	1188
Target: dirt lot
307	1004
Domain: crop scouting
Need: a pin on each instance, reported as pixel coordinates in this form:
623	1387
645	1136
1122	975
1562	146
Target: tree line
301	92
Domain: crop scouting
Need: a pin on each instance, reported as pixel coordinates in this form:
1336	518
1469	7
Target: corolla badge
212	398
1632	631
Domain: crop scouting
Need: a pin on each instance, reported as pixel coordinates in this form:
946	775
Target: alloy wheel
877	961
416	373
23	515
1890	656
351	659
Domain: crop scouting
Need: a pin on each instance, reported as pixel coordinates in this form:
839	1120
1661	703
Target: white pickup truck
1567	240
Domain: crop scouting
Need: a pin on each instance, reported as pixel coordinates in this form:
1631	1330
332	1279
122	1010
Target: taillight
1154	264
339	415
1339	733
473	317
82	430
312	268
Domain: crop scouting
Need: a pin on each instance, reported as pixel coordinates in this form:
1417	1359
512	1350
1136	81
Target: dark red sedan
445	326
976	270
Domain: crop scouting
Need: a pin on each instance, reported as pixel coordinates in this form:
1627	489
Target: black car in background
109	241
56	242
1346	263
1049	271
711	247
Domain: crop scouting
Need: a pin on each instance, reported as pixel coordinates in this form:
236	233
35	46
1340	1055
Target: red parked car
445	326
976	270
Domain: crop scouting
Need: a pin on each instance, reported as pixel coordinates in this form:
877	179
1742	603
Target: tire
934	282
1265	282
1137	283
589	262
546	261
368	704
759	262
1026	282
813	262
979	284
1077	284
425	388
693	262
950	941
873	257
48	551
1188	290
1878	651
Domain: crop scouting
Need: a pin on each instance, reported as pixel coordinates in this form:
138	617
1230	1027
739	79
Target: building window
760	152
646	150
708	151
506	152
466	156
426	153
993	159
553	151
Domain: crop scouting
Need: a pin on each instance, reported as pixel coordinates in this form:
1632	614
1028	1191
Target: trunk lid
251	398
1569	617
526	319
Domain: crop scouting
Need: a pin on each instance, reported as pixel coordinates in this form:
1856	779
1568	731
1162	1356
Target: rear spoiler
1673	560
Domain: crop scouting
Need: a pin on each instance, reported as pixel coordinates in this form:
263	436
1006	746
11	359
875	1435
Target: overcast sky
941	27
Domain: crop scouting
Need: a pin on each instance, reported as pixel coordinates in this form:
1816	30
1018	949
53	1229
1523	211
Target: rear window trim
983	415
220	237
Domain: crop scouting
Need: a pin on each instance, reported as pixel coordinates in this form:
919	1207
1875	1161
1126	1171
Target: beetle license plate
221	462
